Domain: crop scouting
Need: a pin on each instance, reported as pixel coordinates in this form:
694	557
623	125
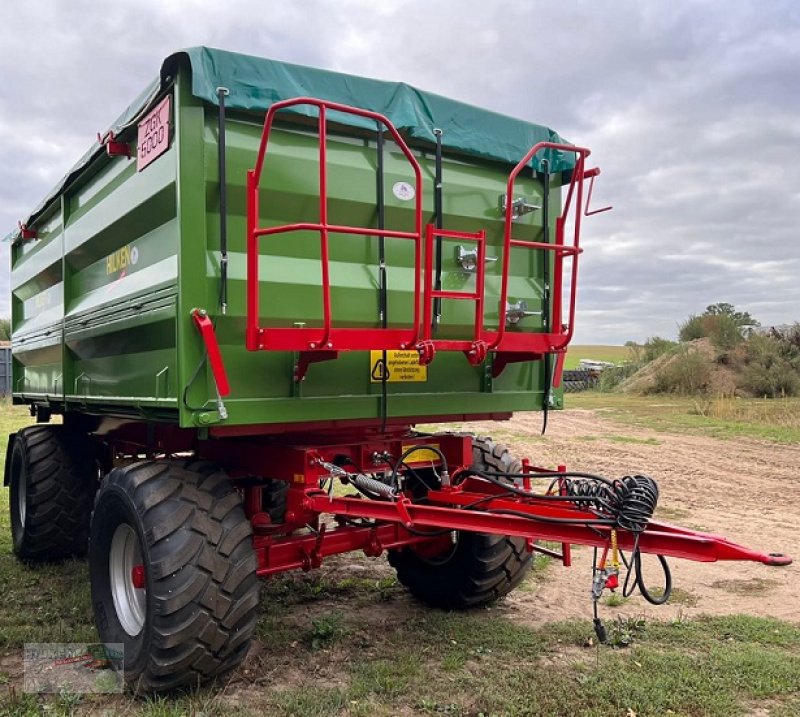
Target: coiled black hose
630	501
627	503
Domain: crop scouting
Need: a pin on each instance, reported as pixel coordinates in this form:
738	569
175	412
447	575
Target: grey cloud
692	110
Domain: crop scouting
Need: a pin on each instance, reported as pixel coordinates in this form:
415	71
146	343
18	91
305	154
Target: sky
691	109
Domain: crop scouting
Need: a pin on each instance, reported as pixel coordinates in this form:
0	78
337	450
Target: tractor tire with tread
52	475
481	568
273	499
198	610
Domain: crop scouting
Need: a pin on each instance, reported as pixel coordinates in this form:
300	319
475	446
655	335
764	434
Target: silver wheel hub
127	578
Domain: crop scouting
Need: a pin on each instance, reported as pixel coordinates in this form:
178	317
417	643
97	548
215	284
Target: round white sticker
403	191
134	255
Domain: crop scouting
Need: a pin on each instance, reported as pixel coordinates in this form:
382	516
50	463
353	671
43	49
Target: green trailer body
101	299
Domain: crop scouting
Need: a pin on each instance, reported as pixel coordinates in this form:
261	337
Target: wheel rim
126	571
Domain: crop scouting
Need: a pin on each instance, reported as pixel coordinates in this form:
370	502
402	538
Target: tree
721	322
742	319
5	329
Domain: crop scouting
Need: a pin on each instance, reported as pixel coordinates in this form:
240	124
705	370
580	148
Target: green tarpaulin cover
255	83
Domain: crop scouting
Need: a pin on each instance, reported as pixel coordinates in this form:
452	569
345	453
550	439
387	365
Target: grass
347	640
726	418
612	354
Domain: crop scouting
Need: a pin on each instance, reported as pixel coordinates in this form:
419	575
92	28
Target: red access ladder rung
473	348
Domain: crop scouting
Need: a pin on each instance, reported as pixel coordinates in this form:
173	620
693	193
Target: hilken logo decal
121	259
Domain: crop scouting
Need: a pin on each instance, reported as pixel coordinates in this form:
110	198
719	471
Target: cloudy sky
692	109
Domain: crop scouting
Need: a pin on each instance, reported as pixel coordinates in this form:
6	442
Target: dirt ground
746	490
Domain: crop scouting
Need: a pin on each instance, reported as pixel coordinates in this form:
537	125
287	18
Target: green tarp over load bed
255	83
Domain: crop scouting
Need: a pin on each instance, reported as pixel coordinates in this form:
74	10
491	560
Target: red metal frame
471	504
304	460
558	338
328	337
508	346
399	522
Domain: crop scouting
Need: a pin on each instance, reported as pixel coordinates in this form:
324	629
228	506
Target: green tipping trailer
243	299
102	297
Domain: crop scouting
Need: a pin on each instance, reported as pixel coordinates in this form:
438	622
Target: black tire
200	601
52	476
479	568
273	500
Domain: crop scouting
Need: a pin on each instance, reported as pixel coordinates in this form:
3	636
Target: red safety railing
558	337
326	341
328	337
518	345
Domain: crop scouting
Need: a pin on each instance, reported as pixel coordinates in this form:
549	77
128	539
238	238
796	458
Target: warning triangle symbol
379	371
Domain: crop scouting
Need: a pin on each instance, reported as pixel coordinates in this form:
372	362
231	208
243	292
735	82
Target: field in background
347	640
612	354
772	419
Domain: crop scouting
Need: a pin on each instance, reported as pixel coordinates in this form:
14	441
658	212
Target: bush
613	376
655	347
772	367
688	372
722	329
725	334
693	328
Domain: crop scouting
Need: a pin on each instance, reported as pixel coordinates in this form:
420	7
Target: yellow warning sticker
400	366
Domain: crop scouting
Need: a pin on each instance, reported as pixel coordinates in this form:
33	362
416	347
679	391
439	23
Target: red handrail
557	339
258	337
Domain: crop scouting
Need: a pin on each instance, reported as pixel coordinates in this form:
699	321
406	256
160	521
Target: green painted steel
101	301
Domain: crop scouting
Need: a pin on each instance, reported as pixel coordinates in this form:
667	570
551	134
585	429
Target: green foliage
325	630
722	329
772	367
5	329
655	347
741	319
688	374
615	375
725	334
623	631
692	329
721	323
